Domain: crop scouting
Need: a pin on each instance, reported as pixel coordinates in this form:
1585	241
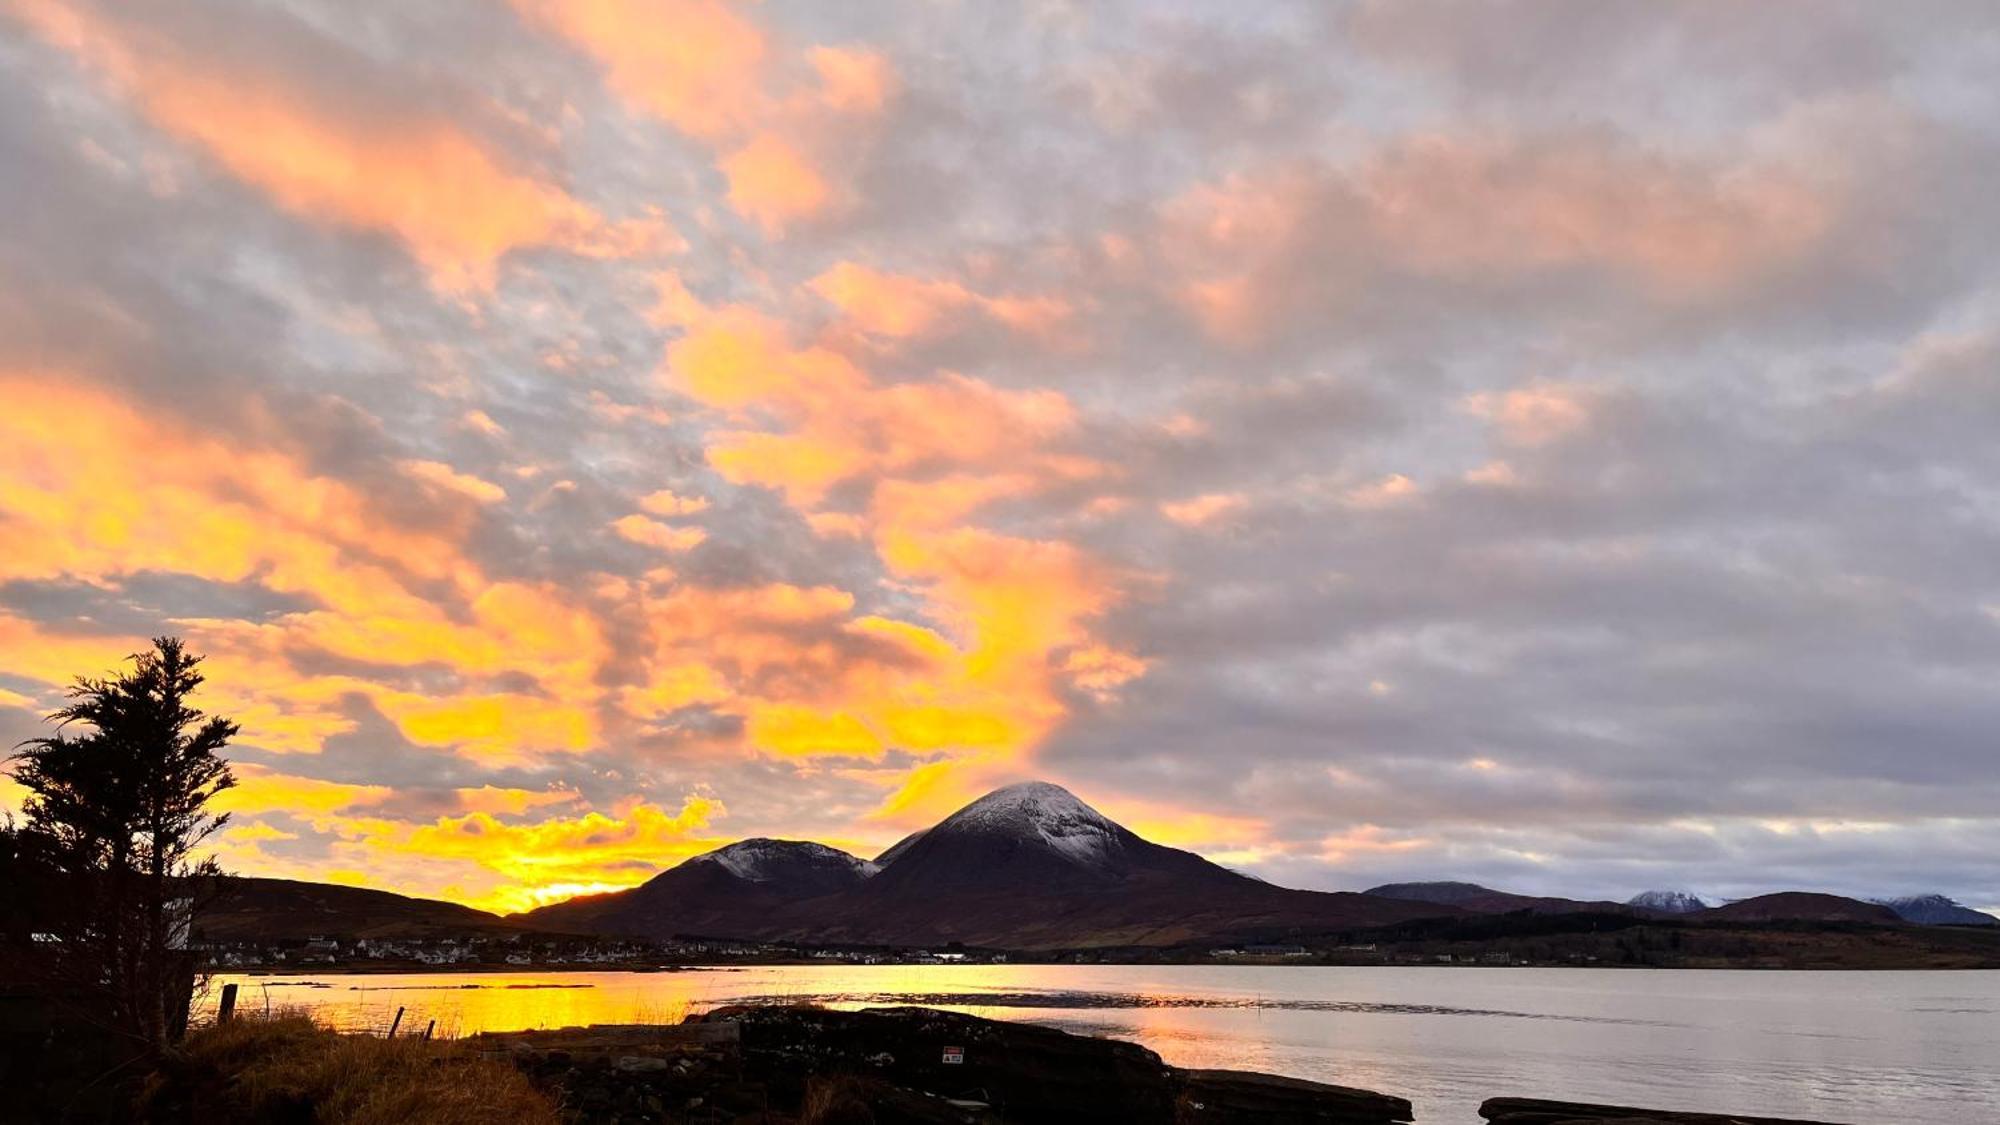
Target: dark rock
887	1066
1538	1111
1026	1073
1236	1097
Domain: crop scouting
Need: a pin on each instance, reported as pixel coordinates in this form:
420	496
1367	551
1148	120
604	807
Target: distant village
516	951
537	951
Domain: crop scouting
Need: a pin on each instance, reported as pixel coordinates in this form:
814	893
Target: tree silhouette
116	812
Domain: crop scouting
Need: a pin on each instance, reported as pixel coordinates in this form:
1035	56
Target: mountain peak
1935	910
1667	902
1031	798
1040	812
764	860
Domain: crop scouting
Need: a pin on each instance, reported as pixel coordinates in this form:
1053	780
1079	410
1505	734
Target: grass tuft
288	1069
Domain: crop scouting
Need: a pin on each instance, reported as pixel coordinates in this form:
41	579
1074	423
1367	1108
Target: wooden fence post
394	1024
228	1007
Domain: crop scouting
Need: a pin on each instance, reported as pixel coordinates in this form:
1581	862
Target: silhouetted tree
117	812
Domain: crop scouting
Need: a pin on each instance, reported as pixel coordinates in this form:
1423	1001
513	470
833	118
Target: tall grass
287	1068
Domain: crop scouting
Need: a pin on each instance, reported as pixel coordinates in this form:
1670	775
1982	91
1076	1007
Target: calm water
1914	1047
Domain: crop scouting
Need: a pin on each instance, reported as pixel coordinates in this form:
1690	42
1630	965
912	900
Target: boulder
1538	1111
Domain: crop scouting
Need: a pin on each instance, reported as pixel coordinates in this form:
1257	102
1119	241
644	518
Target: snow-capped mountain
798	865
1027	824
889	855
1937	910
1031	865
1024	867
729	892
1032	836
1667	902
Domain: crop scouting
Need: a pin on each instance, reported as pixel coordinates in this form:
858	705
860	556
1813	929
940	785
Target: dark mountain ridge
1025	867
1028	867
1937	910
1798	906
730	892
251	909
1486	900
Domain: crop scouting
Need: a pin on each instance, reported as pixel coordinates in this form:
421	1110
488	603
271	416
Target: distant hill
1486	900
248	909
1937	910
1799	906
1667	902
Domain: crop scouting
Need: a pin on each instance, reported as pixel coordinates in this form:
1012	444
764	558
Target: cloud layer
1360	441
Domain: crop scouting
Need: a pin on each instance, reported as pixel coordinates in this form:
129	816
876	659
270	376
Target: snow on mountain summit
1936	910
763	860
1044	812
1667	902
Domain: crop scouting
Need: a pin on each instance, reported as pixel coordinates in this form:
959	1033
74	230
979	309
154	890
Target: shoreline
377	968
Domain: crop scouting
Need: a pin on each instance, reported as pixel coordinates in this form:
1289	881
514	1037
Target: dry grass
290	1069
835	1100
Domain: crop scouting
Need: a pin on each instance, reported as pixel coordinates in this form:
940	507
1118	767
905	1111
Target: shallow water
1915	1047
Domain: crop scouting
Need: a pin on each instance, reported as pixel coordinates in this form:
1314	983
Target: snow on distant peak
1025	803
1041	810
1667	902
762	860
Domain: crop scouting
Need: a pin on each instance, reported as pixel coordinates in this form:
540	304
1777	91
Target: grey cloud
1751	586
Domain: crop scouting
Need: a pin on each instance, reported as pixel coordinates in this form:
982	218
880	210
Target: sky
1542	443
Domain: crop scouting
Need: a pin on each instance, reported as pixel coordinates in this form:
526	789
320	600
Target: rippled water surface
1913	1047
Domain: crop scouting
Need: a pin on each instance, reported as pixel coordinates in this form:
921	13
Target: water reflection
1858	1046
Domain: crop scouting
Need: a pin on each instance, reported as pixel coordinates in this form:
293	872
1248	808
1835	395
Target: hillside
1486	900
1799	906
247	909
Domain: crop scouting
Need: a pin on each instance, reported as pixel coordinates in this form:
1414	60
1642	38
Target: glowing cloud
446	195
771	182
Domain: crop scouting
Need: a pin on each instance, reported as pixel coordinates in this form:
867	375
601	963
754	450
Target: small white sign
954	1055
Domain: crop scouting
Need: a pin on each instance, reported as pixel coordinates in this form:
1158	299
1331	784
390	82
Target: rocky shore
898	1066
920	1066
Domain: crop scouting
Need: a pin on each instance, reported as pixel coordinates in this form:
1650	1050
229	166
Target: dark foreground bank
761	1065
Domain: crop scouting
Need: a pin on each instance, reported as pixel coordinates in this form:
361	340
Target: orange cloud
552	859
668	503
259	789
1456	205
695	63
899	306
447	196
706	68
1532	415
1244	254
771	182
660	536
1196	511
1383	493
156	497
474	857
852	79
888	304
1013	614
440	475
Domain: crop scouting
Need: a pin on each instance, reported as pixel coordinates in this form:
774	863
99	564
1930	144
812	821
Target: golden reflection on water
467	1003
1855	1046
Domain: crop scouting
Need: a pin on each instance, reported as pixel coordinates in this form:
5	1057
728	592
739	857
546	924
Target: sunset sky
1551	444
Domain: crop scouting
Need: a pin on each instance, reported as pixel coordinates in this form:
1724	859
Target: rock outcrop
1537	1111
908	1066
